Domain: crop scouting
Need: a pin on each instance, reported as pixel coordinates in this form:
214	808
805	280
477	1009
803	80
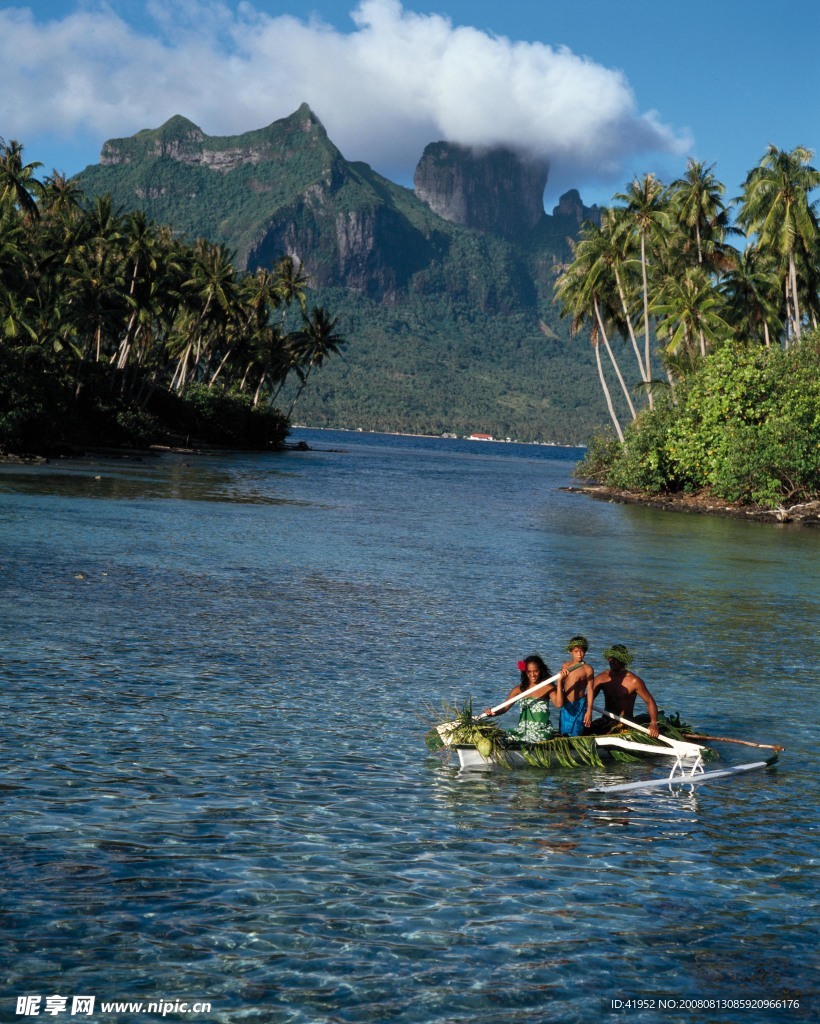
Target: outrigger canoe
687	757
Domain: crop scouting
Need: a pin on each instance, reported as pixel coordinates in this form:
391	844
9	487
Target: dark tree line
156	326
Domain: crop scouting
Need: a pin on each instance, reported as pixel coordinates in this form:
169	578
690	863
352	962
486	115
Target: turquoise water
217	676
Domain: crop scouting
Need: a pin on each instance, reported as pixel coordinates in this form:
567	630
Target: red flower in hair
522	666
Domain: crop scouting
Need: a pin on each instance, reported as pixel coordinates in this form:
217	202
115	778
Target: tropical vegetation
115	331
733	331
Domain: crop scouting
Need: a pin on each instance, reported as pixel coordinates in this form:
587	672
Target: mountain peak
571	208
181	140
178	127
304	113
172	137
495	190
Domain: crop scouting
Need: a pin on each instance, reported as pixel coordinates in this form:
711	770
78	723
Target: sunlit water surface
217	676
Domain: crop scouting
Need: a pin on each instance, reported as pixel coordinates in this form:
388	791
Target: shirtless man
620	688
577	678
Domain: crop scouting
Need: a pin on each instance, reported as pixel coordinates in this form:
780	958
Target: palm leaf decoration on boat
624	756
566	751
493	743
484	733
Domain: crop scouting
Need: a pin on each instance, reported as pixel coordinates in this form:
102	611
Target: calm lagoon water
217	673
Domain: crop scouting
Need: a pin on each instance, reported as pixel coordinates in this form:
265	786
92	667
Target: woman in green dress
534	712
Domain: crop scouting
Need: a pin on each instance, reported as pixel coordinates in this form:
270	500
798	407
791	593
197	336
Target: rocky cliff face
571	212
286	189
496	191
371	250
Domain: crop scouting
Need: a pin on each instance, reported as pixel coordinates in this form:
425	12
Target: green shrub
230	418
599	455
644	463
36	404
136	428
746	425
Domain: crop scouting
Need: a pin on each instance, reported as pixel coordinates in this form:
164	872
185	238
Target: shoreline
190	446
443	437
705	503
696	503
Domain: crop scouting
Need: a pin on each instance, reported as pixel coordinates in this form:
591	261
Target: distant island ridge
445	292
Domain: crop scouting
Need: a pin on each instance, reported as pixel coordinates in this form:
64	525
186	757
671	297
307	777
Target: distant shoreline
443	437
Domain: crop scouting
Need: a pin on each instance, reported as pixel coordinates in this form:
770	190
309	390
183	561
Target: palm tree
751	289
17	301
615	247
95	266
697	204
174	269
139	247
212	301
14	251
18	186
62	197
808	278
313	344
272	360
291	283
689	311
646	213
576	291
590	285
775	206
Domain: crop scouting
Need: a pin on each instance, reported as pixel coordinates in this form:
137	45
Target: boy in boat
620	688
577	678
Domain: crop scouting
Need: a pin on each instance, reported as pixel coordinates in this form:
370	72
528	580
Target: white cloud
397	81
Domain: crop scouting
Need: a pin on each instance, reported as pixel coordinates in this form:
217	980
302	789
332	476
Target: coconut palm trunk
630	329
605	389
795	299
647	352
612	358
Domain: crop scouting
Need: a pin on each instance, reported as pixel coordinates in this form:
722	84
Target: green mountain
445	293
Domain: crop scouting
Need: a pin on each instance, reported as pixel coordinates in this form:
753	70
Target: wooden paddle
677	745
725	739
448	727
693	735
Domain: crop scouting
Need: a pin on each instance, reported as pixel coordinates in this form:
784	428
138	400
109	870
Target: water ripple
214	783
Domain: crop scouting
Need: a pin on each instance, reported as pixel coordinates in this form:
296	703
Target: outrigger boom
681	777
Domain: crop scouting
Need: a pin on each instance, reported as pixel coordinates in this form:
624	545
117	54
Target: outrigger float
485	746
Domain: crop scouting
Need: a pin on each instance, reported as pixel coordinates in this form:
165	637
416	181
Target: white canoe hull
469	756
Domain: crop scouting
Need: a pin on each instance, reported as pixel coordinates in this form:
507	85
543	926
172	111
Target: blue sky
605	89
